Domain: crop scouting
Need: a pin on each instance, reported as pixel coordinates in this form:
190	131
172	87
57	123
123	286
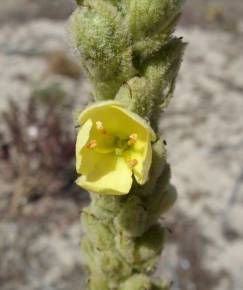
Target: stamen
92	144
100	127
132	139
132	163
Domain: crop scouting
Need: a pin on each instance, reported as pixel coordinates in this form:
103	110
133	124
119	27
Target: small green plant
127	50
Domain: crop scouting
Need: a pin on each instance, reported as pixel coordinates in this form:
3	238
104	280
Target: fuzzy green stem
128	52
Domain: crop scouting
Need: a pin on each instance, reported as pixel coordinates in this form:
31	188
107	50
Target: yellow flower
113	144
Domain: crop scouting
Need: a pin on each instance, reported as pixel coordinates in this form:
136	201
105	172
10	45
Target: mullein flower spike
112	145
128	52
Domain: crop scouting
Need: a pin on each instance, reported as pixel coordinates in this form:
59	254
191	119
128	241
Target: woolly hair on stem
128	52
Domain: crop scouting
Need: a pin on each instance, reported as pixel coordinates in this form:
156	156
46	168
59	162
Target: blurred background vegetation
41	91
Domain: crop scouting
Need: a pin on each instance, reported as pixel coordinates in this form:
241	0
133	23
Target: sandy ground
203	127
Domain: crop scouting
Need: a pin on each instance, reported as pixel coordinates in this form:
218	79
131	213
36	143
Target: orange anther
132	163
92	144
132	138
100	127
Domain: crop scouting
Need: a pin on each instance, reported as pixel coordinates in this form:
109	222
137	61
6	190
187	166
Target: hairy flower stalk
128	52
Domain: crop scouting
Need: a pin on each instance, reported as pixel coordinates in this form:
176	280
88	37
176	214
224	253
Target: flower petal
144	159
137	119
112	177
116	118
82	139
